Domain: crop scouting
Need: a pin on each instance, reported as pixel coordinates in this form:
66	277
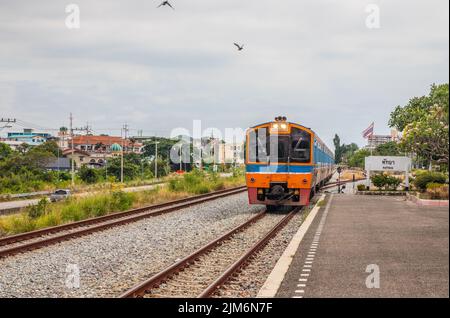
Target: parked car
59	195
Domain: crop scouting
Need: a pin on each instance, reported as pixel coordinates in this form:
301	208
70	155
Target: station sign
387	163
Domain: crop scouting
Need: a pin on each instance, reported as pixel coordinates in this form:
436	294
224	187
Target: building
28	136
230	153
59	164
374	141
83	158
15	145
106	144
94	151
216	151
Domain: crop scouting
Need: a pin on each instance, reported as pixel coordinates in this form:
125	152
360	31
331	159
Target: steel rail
244	260
153	282
335	184
159	278
105	222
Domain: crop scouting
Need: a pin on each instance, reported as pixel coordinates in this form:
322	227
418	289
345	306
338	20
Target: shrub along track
202	273
20	243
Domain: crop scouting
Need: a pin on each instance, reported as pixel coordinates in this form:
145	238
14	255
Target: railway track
202	273
335	184
20	243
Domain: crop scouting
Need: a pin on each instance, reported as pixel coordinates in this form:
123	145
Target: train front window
300	146
273	148
258	145
278	147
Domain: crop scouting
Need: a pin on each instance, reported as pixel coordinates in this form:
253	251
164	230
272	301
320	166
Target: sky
314	61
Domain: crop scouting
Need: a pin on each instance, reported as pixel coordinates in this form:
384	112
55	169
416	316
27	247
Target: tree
348	151
23	148
131	169
5	151
428	137
89	175
343	152
388	149
418	107
337	148
358	158
48	146
164	147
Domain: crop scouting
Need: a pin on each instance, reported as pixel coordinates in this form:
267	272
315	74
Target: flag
368	131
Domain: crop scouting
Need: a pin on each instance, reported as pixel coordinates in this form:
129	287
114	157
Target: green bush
121	200
378	180
392	182
421	181
35	211
388	182
89	175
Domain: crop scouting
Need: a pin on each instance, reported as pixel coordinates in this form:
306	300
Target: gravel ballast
112	261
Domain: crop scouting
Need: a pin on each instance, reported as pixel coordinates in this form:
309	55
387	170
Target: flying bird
240	47
165	3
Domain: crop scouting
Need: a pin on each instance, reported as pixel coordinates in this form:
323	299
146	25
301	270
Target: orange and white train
286	163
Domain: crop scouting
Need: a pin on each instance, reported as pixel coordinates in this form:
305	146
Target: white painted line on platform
302	279
273	282
307	265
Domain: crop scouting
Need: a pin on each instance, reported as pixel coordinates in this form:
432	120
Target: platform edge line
276	276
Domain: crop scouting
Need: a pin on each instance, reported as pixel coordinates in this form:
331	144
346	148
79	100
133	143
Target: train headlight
279	127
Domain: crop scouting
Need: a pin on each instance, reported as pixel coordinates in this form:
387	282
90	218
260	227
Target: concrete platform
353	236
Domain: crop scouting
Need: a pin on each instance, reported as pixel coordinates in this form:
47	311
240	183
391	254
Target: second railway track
201	273
20	243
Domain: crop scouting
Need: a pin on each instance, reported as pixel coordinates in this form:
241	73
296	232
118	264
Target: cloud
313	61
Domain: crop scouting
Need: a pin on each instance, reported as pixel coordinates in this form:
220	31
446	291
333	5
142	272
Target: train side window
300	145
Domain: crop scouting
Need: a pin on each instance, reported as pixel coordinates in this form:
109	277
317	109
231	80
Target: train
285	163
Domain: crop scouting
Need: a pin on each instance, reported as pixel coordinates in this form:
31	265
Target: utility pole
125	131
156	159
72	161
234	152
181	157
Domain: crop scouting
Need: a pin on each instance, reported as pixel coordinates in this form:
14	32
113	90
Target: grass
98	204
321	203
348	174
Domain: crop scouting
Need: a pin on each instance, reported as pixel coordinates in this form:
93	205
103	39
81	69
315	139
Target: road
5	207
